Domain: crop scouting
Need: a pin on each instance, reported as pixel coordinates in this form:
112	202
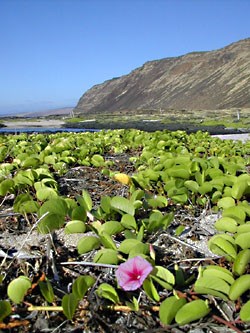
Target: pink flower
131	274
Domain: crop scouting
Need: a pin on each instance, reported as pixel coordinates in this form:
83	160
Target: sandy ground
35	123
243	137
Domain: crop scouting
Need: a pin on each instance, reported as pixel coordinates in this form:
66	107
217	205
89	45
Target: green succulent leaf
122	204
235	212
47	290
97	160
87	244
81	285
164	277
208	285
46	193
6	186
105	290
79	213
150	289
224	245
226	202
245	312
54	205
106	256
85	200
239	188
50	222
128	221
5	309
241	262
192	311
226	224
169	308
75	226
69	305
112	227
18	288
128	244
140	249
107	241
243	240
239	287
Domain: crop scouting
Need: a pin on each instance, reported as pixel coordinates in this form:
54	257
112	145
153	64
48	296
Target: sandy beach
243	137
45	123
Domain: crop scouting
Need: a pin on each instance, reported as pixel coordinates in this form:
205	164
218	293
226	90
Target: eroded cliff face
200	80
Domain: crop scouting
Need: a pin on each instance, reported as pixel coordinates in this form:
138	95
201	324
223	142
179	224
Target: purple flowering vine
131	274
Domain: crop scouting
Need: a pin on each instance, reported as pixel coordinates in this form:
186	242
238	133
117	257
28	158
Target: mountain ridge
215	79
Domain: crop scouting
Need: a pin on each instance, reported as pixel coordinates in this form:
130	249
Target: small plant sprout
131	274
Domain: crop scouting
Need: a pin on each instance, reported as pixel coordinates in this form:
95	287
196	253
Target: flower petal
131	274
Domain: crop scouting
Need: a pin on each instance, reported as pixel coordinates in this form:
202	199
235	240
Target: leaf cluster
173	169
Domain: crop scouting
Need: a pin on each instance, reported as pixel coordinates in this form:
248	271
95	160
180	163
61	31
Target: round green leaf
18	288
245	312
226	224
243	240
178	172
192	311
88	243
75	226
128	221
123	204
54	205
107	241
87	199
5	186
81	285
112	227
105	290
106	256
224	245
140	249
46	193
226	202
50	223
239	188
235	212
128	244
169	307
164	277
192	186
97	160
79	213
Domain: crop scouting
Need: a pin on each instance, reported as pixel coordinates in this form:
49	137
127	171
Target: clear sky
52	51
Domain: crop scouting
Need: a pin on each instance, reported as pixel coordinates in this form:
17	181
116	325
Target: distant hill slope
67	111
200	80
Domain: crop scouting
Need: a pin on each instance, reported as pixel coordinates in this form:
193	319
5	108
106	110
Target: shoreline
47	124
44	123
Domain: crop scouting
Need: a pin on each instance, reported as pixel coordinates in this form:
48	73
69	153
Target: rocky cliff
200	80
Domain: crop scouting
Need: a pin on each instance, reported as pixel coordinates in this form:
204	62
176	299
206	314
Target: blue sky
52	51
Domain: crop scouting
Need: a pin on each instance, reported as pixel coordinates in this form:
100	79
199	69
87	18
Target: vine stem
227	323
86	263
122	308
